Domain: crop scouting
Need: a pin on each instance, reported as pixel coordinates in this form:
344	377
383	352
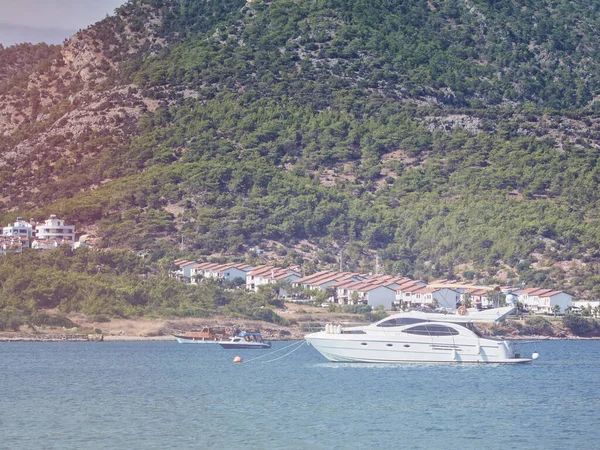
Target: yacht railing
316	326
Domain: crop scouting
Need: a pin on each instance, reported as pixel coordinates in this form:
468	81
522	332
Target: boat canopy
249	333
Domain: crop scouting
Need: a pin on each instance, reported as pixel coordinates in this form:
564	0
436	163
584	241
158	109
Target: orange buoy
237	359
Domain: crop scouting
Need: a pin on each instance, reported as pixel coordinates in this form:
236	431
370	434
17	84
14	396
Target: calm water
163	395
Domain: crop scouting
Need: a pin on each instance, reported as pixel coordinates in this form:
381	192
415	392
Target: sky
49	21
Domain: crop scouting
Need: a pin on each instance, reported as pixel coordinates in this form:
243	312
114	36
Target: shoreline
169	338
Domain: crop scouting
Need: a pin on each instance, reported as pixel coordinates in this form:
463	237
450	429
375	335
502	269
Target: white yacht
420	337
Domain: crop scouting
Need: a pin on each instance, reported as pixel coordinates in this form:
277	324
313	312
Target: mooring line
299	344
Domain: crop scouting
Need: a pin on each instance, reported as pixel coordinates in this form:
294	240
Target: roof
214	267
535	291
366	286
271	272
332	277
309	278
427	289
408	285
183	262
478	291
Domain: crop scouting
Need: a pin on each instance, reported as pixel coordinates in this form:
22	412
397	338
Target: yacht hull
244	345
345	348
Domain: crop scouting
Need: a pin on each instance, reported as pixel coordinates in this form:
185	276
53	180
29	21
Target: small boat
420	337
245	339
208	335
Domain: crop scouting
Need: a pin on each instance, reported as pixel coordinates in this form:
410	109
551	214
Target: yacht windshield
400	321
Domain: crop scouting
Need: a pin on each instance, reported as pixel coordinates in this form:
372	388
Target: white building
320	281
403	291
47	244
585	304
54	228
11	244
432	297
374	295
265	275
344	290
543	300
20	229
227	272
183	269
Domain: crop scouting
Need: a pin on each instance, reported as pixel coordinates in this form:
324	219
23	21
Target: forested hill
443	138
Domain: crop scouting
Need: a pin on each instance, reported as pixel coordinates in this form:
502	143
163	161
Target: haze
49	21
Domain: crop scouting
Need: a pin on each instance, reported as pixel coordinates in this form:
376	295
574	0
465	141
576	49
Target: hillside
445	138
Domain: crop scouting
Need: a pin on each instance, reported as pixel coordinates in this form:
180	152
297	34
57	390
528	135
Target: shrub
538	325
580	326
44	319
11	321
99	318
267	315
357	309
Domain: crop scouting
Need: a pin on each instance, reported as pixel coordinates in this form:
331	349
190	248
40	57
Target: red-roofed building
322	280
403	290
226	272
264	275
372	294
543	300
182	269
433	297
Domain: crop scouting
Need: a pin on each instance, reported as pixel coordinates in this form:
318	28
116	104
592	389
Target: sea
165	395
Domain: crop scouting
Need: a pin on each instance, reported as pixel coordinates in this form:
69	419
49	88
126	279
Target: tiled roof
183	262
309	278
552	293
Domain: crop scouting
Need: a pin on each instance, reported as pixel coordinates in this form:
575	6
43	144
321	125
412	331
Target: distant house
373	295
585	304
265	275
480	298
45	244
344	290
404	290
183	269
54	228
432	297
20	229
543	300
325	279
226	272
11	244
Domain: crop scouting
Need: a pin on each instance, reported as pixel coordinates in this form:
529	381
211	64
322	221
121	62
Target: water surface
165	395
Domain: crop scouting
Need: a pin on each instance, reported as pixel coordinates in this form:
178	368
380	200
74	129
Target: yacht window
400	321
432	330
420	329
